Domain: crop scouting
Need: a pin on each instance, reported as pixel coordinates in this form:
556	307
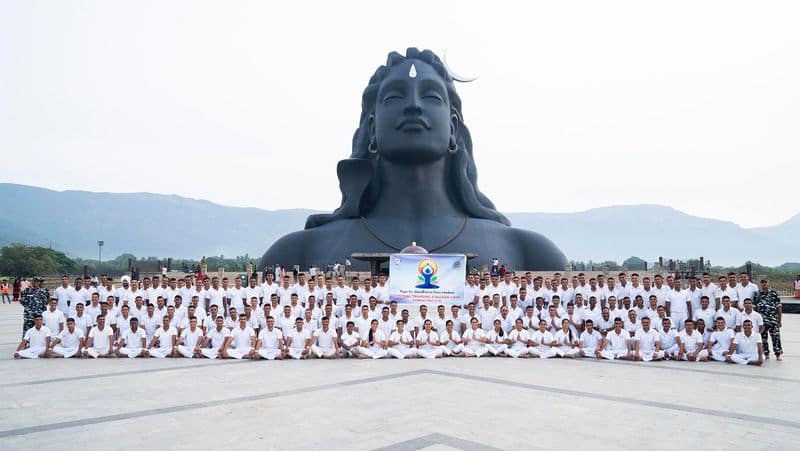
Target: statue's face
412	122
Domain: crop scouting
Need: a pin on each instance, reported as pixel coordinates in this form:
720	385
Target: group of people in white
510	316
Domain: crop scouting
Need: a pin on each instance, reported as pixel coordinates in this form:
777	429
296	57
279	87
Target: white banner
427	278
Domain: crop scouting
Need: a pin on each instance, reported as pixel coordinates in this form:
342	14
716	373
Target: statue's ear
371	126
454	128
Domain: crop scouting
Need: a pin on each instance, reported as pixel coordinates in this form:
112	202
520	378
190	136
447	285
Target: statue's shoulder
292	248
537	251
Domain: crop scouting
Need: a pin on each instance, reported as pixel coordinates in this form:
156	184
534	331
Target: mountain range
146	224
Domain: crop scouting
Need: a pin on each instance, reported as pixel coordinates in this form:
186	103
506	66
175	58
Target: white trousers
587	352
650	355
542	351
678	319
450	349
497	348
238	353
210	353
353	352
269	354
702	354
130	352
65	352
31	353
517	351
567	351
95	353
717	355
671	351
186	352
374	352
743	359
322	352
431	352
612	354
296	353
402	353
160	353
475	351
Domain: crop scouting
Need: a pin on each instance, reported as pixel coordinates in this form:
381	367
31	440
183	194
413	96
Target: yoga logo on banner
434	278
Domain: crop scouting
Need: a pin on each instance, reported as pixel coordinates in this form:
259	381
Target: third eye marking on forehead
412	73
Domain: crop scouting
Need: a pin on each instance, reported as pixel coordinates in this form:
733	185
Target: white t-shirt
590	340
215	296
133	340
542	338
270	339
754	317
563	339
731	316
37	339
677	301
721	339
64	296
218	336
242	338
70	339
667	338
746	292
350	339
165	337
619	341
53	320
236	297
471	336
248	293
690	342
397	337
284	294
647	340
747	345
516	335
190	338
83	323
299	338
324	339
100	337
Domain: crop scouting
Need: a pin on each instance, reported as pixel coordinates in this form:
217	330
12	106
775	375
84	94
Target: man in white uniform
749	314
679	308
191	339
646	343
349	340
165	341
325	344
450	339
542	344
746	347
745	289
133	342
298	341
53	317
728	313
589	341
617	344
474	340
101	340
720	342
519	339
427	341
241	344
401	343
215	338
64	295
36	342
270	341
69	342
691	344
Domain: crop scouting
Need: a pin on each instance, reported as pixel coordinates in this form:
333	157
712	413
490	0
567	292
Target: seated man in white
589	342
165	340
451	340
324	343
667	339
427	341
216	337
565	340
746	347
542	344
100	343
720	341
647	343
474	339
373	342
298	341
401	344
69	342
133	342
36	341
191	339
241	344
270	341
691	344
349	340
519	339
498	341
617	344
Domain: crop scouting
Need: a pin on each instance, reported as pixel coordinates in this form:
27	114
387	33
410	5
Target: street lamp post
100	251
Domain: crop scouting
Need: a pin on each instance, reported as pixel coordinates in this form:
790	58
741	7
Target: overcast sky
695	105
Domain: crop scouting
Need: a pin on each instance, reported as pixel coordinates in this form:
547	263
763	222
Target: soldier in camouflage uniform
34	301
768	304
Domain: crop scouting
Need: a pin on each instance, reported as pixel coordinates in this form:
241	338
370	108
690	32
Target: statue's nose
413	105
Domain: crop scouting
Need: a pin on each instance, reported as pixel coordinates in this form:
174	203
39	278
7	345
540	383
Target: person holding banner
428	345
497	339
373	345
519	338
450	340
401	344
474	340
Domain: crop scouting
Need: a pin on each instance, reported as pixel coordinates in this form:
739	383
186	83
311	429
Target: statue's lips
413	125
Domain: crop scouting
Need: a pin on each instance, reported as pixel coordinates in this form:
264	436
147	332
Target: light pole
100	251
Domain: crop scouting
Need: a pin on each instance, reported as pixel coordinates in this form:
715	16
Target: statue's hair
460	168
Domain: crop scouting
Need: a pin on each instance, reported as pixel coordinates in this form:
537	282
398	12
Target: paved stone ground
488	403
